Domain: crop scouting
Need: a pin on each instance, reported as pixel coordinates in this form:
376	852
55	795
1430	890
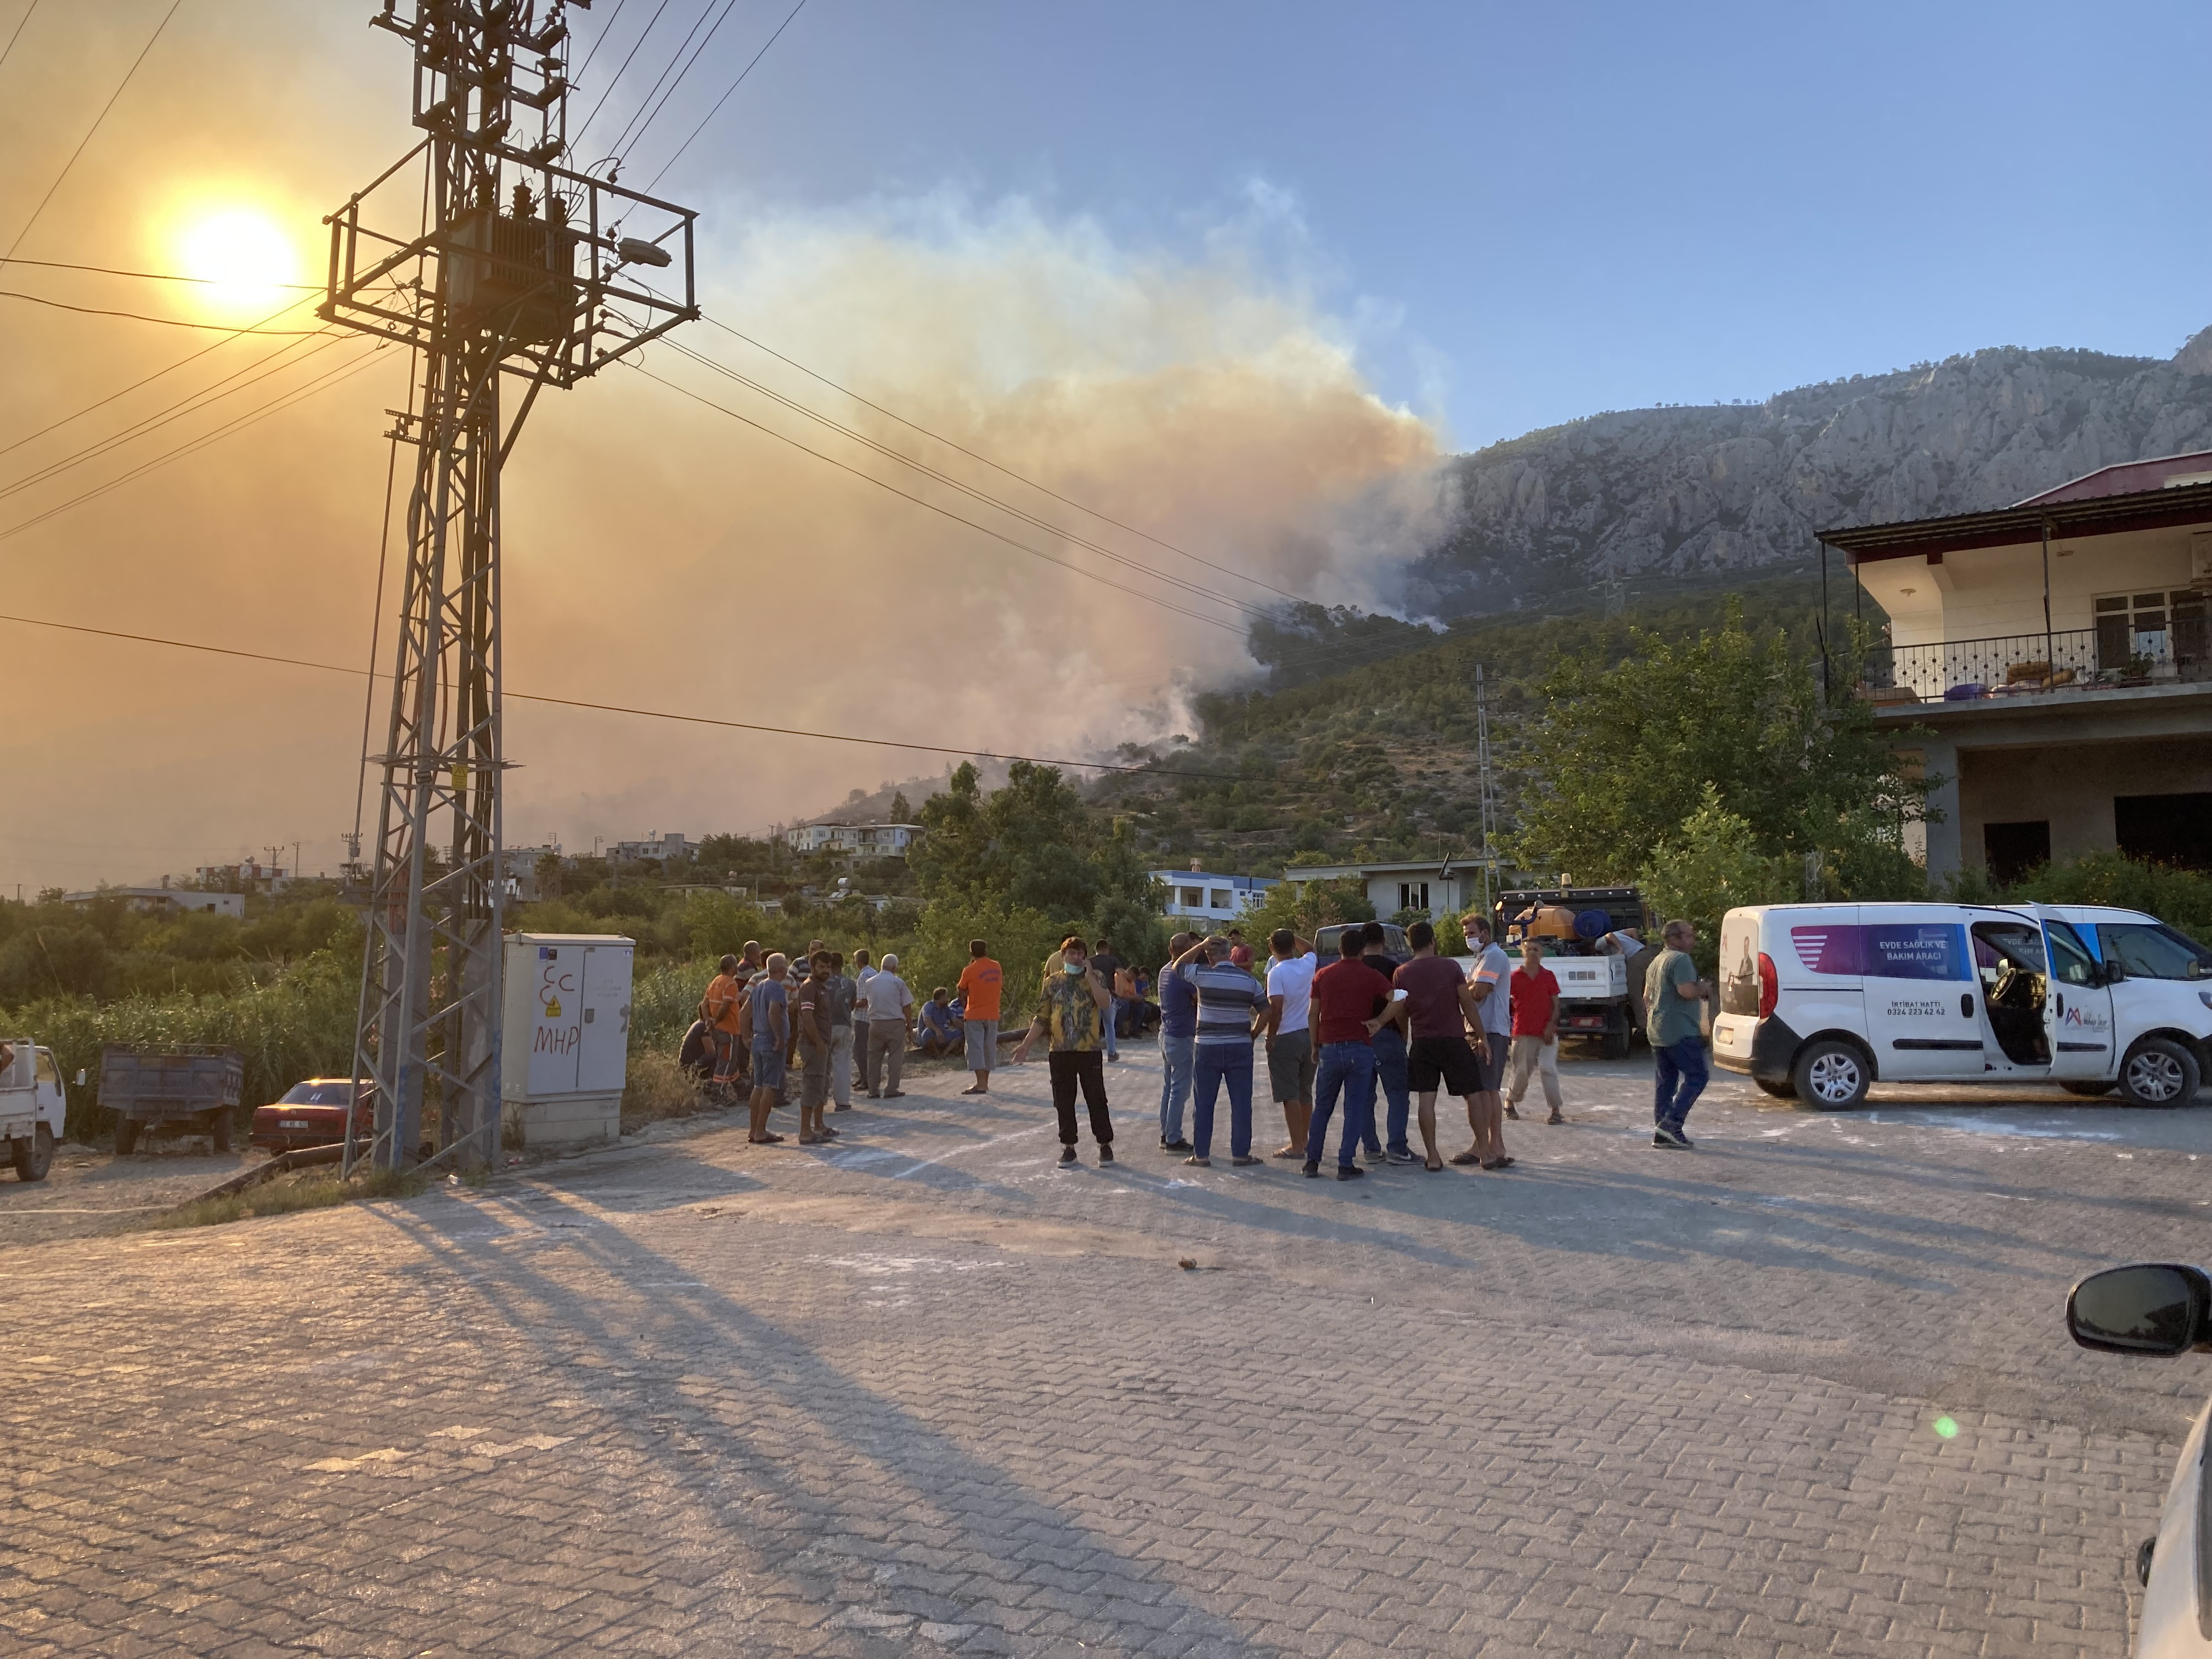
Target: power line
599	39
323	382
615	80
159	275
625	141
140	316
947	479
723	99
205	397
1226	570
8	50
96	122
619	708
918	501
218	345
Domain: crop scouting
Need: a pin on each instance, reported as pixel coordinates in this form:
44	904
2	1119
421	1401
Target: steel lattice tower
494	262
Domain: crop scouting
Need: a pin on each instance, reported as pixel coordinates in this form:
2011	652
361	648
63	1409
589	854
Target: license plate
294	1123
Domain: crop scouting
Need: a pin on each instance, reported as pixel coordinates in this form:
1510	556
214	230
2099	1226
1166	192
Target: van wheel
1831	1076
126	1135
34	1153
2159	1072
1779	1091
1616	1044
2087	1091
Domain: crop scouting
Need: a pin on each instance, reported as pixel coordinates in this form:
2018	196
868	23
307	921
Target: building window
2175	830
2144	632
1221	899
1412	896
2011	850
1192	898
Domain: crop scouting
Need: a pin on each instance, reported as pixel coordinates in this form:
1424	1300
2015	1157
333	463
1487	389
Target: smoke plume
659	554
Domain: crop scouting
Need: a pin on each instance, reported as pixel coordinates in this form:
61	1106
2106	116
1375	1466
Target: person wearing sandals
1344	999
1440	1009
768	1007
1072	1007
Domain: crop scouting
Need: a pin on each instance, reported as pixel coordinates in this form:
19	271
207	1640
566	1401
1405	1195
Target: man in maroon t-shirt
1349	1003
1440	1009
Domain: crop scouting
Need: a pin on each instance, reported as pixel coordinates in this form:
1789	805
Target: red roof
2129	477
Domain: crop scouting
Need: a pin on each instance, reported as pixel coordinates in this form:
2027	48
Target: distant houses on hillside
1203	896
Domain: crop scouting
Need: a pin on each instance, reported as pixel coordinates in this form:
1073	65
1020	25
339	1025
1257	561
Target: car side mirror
2155	1308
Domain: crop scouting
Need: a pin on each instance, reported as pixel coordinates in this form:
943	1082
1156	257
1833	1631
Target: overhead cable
141	317
160	275
342	372
8	50
619	708
633	132
96	122
723	99
615	80
918	501
53	425
1066	501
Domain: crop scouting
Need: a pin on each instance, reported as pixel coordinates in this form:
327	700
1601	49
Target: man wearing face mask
1071	1016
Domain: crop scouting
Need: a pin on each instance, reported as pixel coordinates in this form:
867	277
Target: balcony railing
2074	660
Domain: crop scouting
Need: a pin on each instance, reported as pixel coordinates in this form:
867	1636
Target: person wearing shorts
1493	970
981	983
1288	1035
770	1007
809	1019
1440	1009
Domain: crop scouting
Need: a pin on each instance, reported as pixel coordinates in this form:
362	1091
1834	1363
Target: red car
312	1113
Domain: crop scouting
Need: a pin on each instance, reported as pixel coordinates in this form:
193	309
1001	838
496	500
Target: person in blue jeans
1178	1040
1389	1061
1231	1008
1675	996
1350	1002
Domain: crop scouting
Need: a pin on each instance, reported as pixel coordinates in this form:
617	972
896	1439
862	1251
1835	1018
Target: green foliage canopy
1625	754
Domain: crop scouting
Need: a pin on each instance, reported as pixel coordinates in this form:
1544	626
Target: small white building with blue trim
1201	895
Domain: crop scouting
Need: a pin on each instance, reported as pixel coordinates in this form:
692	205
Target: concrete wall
2072	785
1991	592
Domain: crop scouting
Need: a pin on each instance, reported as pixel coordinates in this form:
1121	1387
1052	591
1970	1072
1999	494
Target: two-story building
656	848
1435	887
1202	895
2056	656
868	841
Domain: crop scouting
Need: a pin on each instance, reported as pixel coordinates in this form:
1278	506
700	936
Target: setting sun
244	254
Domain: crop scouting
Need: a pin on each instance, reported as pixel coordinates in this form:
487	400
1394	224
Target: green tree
1305	909
1710	865
1624	756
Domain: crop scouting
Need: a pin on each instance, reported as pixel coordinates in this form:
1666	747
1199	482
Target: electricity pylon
493	261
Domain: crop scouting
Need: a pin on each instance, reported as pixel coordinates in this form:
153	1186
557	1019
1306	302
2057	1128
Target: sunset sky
1234	275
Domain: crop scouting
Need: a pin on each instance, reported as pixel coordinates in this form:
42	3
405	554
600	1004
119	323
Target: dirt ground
91	1191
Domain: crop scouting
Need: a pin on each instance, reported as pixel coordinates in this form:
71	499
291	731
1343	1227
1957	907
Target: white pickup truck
32	1106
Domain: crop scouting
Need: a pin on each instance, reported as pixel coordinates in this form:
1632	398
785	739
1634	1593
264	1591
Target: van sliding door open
2010	963
2077	1013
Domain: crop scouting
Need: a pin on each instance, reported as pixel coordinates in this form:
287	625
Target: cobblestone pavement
923	1392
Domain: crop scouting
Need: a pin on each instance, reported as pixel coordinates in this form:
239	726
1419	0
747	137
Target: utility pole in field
494	262
1489	809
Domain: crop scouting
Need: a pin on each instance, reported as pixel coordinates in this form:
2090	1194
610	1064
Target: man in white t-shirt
1290	1035
1490	977
890	1020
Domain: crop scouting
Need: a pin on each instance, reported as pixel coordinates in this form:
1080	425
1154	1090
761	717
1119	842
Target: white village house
1202	895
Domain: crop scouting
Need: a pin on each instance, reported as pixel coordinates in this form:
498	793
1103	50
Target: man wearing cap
890	1014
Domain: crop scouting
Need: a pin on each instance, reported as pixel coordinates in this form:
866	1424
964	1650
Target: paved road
925	1393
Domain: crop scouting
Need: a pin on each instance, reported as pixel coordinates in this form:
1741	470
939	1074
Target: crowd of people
1332	1036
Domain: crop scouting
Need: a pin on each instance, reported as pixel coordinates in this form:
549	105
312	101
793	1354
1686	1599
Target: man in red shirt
1439	1010
1347	1002
1536	993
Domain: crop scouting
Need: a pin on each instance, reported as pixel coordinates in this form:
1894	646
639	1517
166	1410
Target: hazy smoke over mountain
659	554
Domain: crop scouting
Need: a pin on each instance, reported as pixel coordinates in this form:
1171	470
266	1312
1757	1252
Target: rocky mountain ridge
1711	490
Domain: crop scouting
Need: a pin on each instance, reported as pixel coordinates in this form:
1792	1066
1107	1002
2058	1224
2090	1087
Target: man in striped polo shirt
1231	1008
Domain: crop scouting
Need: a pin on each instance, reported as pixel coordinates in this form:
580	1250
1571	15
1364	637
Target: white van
1820	1000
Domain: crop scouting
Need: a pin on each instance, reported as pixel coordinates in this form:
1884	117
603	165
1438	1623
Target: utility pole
1489	880
489	258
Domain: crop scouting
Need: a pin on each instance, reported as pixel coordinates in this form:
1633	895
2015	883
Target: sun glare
246	258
